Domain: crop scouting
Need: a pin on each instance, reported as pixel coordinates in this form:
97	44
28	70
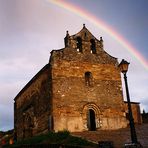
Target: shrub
61	137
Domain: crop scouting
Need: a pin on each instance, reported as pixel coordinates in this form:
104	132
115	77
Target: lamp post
123	66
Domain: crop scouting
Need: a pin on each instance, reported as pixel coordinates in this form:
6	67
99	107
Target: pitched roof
32	80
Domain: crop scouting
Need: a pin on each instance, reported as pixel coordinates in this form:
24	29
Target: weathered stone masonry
79	89
33	105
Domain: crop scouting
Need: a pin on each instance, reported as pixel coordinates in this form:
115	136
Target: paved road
119	137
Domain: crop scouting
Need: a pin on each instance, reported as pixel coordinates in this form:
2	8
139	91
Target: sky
31	29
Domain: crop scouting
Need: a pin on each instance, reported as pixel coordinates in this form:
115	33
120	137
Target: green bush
71	140
61	137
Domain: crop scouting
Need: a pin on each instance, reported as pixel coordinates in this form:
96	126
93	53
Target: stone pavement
119	137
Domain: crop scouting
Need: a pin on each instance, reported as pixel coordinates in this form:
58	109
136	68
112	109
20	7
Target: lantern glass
123	66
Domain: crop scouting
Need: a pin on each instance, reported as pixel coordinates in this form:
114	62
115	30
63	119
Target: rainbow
103	26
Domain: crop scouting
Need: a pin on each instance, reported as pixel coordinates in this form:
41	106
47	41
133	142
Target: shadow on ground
119	137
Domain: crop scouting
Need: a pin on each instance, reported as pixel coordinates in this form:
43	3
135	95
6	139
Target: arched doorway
91	116
91	120
28	126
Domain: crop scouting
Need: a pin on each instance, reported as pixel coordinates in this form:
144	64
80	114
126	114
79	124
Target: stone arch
87	107
79	44
27	125
93	46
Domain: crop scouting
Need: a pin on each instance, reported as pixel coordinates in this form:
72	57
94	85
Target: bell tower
84	42
86	85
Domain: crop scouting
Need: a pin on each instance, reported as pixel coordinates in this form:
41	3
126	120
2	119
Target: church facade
80	89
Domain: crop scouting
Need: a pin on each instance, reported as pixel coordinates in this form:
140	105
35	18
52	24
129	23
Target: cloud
6	118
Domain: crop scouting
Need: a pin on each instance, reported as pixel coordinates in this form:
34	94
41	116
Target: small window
88	78
93	46
79	44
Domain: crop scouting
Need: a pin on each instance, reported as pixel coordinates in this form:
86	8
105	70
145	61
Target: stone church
80	89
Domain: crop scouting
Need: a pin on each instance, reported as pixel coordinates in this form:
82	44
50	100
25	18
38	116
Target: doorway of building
91	120
28	126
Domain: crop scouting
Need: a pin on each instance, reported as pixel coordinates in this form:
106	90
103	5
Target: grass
61	137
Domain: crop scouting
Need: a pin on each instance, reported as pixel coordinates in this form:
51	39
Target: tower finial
83	25
101	41
67	33
66	39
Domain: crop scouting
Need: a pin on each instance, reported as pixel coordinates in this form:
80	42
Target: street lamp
123	66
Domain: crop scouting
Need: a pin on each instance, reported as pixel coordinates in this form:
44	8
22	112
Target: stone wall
71	93
33	106
136	112
86	84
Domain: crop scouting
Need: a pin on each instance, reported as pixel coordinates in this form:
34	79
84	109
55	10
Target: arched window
79	44
93	46
88	78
